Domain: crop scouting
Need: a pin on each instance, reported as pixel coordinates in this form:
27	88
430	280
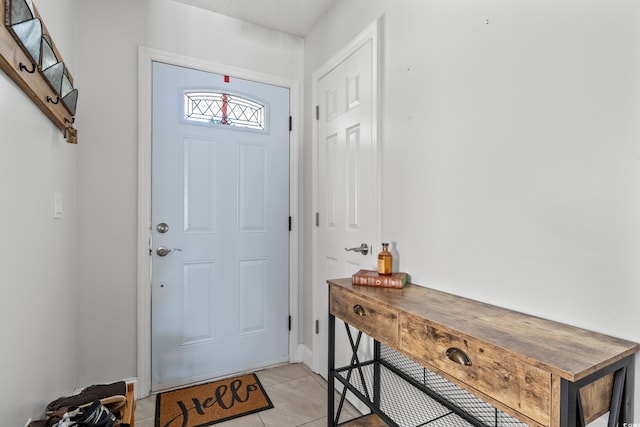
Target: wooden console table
531	371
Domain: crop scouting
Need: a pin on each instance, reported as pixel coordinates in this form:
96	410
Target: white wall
107	157
38	254
510	155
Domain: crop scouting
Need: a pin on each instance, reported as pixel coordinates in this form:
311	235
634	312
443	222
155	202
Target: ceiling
295	17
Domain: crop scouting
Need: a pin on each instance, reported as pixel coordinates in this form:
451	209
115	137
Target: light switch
57	205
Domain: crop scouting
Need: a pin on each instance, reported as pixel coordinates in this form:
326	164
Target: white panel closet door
346	185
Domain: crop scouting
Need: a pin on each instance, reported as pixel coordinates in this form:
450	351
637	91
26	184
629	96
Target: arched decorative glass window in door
224	109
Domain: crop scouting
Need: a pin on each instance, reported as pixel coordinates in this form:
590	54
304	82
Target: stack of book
372	278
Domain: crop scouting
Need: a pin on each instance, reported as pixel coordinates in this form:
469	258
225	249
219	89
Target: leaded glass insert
224	109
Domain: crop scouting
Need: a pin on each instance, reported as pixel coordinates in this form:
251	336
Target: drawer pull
359	310
458	356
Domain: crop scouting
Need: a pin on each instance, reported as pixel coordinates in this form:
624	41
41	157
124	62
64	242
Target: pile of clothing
98	405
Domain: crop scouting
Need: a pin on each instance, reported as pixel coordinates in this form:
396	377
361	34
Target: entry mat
211	403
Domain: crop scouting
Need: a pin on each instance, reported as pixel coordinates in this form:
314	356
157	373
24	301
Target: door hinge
317	112
290	123
289	322
317	219
317	326
290	223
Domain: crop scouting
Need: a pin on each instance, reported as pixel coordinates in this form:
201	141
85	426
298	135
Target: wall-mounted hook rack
20	47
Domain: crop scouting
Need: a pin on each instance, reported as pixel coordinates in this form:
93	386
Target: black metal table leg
626	412
376	374
331	421
354	363
620	410
355	360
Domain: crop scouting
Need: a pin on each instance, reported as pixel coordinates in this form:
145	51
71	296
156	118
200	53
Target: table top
565	350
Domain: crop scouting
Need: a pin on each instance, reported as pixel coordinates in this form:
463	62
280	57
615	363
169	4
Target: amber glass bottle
385	260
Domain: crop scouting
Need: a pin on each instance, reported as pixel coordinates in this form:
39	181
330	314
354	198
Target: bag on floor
93	415
111	395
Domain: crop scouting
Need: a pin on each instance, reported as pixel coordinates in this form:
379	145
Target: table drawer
372	318
483	367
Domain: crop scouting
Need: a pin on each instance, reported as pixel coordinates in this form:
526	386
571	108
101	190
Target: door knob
363	249
164	251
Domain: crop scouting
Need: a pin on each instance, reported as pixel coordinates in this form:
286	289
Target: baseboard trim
305	355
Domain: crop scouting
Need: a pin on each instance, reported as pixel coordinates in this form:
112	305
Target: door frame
146	56
370	34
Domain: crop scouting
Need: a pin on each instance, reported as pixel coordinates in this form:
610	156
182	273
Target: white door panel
346	184
220	300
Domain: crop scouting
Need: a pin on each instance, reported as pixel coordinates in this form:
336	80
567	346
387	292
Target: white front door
347	184
220	209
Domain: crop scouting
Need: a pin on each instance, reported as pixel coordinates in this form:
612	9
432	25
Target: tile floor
298	396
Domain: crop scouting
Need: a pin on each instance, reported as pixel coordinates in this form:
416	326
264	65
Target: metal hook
72	121
49	99
30	71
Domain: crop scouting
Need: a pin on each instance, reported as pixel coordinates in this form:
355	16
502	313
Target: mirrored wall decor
51	69
48	55
70	100
25	28
29	34
29	56
54	75
57	76
69	94
17	11
66	86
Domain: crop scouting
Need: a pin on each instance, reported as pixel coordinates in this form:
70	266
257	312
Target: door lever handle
363	249
164	251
